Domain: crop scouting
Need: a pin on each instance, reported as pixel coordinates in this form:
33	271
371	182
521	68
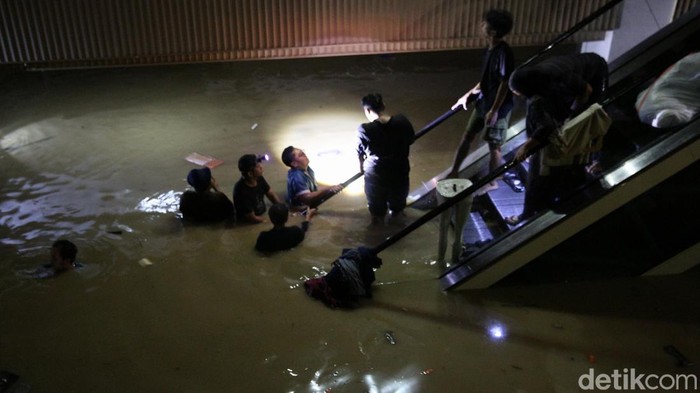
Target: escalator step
476	230
505	201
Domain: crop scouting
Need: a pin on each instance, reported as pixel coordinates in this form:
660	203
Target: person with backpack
556	89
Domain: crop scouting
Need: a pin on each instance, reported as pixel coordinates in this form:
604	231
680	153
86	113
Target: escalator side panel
549	229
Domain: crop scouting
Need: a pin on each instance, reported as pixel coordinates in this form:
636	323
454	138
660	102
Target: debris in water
681	359
390	337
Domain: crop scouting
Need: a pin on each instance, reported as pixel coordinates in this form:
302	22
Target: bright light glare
497	332
168	202
404	381
328	140
25	136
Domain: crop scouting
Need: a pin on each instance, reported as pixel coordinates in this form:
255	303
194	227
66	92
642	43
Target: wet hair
500	21
246	163
288	155
279	213
66	249
374	102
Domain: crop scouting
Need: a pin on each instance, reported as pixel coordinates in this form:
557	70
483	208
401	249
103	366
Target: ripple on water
37	210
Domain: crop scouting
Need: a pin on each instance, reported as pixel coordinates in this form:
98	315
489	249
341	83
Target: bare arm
214	185
492	115
252	218
273	197
525	149
313	198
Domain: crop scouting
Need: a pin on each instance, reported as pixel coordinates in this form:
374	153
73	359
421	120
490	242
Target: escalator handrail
439	120
544	220
470	190
501	169
573	30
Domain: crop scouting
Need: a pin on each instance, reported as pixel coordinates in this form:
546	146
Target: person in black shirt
282	237
556	89
250	191
382	148
206	203
493	98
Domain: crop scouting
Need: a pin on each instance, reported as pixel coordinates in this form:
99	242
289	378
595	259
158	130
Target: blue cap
200	178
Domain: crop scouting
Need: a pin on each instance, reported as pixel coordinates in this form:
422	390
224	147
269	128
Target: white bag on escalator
576	139
674	98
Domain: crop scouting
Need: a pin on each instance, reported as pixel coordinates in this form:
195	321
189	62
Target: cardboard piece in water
201	159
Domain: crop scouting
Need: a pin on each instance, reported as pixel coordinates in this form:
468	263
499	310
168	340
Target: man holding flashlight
302	189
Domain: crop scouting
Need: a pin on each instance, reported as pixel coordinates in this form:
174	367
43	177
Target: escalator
636	217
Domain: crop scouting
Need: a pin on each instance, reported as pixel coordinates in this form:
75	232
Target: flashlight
262	157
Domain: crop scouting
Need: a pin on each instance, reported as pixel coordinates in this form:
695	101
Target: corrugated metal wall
119	32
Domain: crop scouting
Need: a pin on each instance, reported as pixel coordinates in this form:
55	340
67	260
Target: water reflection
168	202
405	381
341	378
24	137
497	331
51	206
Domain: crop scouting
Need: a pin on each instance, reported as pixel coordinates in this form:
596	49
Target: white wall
639	20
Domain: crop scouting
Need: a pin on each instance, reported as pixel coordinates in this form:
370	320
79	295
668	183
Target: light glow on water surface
167	202
328	140
497	331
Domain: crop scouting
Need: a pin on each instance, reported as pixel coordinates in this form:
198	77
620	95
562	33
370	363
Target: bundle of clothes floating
350	278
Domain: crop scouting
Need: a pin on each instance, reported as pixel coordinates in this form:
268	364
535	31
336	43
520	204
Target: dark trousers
543	192
384	194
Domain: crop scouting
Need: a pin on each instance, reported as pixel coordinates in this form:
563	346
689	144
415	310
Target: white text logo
629	379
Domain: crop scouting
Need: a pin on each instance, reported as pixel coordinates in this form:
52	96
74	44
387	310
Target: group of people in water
555	89
383	145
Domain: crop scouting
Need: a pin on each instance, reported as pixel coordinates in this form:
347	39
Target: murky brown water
97	156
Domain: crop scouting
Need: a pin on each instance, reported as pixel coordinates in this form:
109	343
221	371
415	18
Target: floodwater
97	157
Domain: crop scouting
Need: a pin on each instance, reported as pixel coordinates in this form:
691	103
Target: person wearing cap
250	191
382	147
302	189
206	203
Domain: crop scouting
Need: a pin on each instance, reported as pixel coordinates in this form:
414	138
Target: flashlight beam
419	134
